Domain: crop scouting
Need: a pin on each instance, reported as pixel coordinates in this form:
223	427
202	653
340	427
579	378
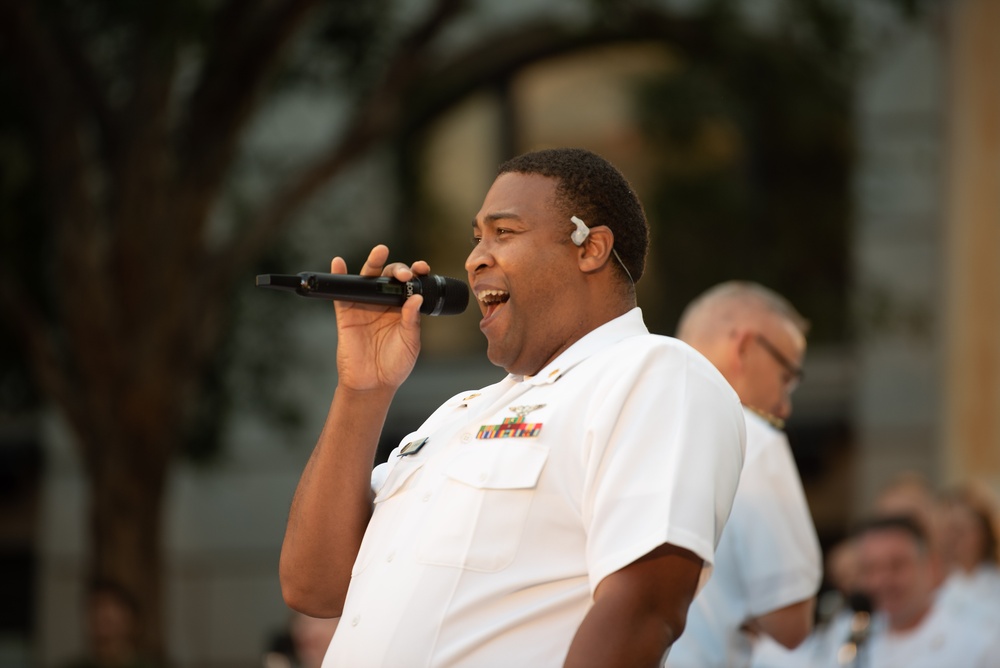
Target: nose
478	258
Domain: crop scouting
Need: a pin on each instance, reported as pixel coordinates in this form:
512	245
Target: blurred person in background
112	629
310	638
768	563
303	644
842	614
900	574
843	573
910	494
969	553
955	575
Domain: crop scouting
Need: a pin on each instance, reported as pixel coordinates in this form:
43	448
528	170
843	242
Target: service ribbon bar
512	427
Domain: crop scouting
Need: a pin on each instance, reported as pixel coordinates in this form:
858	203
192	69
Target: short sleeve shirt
496	520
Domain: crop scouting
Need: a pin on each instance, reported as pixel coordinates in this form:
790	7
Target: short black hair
593	189
904	523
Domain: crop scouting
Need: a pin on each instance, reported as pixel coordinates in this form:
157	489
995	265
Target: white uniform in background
769	556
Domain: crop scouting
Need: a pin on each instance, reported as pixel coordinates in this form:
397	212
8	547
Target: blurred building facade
917	388
927	244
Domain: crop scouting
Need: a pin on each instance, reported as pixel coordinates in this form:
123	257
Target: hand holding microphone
376	348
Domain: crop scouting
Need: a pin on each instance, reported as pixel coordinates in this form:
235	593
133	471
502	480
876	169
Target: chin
495	358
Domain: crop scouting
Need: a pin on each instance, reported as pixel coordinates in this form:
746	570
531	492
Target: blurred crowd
917	583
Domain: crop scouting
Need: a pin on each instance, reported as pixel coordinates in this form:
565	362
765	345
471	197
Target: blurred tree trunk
123	312
127	317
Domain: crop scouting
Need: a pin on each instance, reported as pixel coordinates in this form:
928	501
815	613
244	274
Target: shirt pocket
479	516
394	483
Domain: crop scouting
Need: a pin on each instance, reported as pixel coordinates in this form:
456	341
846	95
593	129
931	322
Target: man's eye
499	232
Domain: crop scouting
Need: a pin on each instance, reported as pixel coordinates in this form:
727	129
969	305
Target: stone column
971	434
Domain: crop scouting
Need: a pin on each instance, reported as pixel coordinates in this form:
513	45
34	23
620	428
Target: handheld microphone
442	296
850	652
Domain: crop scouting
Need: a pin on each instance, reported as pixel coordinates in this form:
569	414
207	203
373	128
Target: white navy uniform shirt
489	538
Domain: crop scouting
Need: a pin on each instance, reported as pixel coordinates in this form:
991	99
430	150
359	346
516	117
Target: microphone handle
381	290
442	296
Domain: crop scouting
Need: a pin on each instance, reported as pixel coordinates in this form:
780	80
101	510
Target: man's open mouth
492	300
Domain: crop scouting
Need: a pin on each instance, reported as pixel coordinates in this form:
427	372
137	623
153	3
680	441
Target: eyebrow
494	217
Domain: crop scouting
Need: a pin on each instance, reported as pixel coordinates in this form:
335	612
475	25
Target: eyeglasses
795	372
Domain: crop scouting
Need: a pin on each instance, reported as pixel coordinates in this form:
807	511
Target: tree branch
139	207
38	341
62	123
231	80
63	86
489	60
376	117
498	58
92	90
33	55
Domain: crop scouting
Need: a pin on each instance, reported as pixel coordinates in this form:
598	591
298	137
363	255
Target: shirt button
466	437
391	556
483	477
355	620
426	497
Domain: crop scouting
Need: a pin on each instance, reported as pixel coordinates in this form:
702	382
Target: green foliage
349	35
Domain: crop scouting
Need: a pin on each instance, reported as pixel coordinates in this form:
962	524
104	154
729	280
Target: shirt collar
624	326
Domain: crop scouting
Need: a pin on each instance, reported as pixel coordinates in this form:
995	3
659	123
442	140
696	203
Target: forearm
605	640
789	626
332	504
638	612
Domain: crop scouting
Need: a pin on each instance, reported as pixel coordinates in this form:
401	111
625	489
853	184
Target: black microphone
442	296
851	652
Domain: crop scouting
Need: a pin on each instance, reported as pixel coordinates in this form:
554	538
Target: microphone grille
859	602
443	295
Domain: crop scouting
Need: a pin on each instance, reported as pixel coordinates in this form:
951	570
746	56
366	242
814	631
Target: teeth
492	296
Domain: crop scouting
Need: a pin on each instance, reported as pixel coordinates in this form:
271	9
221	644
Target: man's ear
740	345
595	251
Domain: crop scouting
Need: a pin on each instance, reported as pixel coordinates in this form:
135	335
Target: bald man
769	566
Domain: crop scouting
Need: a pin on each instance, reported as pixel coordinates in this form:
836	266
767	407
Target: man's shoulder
657	348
